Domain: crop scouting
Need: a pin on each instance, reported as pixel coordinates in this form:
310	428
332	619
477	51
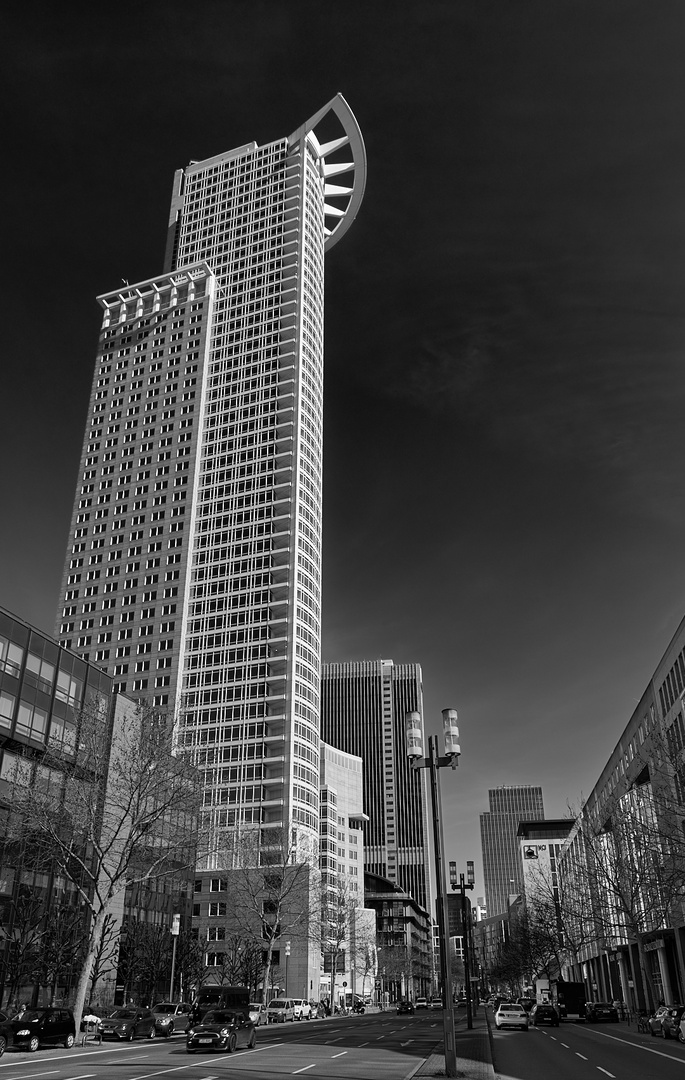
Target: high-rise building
502	867
194	558
363	710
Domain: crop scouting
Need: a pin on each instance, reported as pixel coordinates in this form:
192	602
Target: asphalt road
586	1052
381	1046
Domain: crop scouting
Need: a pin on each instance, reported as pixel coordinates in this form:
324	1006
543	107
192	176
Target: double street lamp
433	762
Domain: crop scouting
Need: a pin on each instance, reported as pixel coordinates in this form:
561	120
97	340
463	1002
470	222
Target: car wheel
69	1042
253	1041
34	1043
232	1042
3	1045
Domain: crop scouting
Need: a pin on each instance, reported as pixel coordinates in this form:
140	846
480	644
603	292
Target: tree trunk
87	966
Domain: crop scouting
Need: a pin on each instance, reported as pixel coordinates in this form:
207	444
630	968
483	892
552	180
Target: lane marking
407	1042
341	1054
364	1043
553	1037
565	1045
581	1056
637	1046
606	1072
380	1037
303	1070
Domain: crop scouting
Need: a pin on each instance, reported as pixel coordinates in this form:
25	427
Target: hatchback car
544	1014
221	1029
257	1013
280	1010
435	1003
38	1027
170	1017
421	1003
511	1014
405	1007
302	1009
129	1023
601	1010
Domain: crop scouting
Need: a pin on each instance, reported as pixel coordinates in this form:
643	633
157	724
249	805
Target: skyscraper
502	868
363	709
194	558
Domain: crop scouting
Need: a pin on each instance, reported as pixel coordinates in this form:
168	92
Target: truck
571	1000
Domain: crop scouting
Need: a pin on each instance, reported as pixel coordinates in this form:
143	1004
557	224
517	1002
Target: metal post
443	915
175	931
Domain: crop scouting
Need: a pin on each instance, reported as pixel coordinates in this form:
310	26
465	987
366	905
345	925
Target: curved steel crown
339	215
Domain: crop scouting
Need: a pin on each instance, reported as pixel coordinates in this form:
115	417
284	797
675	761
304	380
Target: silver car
170	1017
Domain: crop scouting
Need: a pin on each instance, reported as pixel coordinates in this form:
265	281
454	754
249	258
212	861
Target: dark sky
505	397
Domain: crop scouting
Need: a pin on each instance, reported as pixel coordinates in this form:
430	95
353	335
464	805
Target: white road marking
341	1054
581	1056
637	1046
379	1037
407	1042
363	1044
566	1046
304	1070
606	1072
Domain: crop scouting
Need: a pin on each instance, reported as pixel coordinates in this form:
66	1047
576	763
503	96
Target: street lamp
433	763
463	886
287	955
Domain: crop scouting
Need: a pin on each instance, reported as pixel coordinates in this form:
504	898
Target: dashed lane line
606	1072
304	1069
581	1056
341	1054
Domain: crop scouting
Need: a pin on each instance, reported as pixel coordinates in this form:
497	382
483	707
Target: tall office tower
363	709
193	565
502	867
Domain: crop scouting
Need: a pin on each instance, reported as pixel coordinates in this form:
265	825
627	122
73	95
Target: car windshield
164	1008
512	1008
31	1015
277	1005
602	1005
123	1014
219	1016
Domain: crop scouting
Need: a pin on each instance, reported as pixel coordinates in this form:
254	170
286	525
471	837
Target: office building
194	558
363	709
502	867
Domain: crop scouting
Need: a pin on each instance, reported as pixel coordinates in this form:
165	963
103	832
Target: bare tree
272	893
61	947
107	954
190	961
119	812
22	924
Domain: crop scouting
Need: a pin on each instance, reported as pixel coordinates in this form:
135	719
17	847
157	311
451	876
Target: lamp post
287	954
433	762
175	931
465	922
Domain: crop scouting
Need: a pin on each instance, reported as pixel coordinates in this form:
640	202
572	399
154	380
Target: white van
279	1010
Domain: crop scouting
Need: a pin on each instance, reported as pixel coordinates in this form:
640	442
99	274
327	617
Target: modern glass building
363	710
194	558
502	866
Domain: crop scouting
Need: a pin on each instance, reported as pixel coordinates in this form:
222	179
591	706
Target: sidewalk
474	1052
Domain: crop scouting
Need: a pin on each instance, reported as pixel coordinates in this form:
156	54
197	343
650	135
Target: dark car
601	1010
405	1007
128	1022
544	1014
527	1003
221	1029
39	1027
670	1021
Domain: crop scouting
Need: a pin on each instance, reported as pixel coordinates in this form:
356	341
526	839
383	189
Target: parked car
511	1014
318	1010
436	1003
405	1006
257	1013
421	1003
170	1017
128	1022
37	1027
654	1021
221	1029
279	1010
544	1014
303	1009
601	1010
670	1021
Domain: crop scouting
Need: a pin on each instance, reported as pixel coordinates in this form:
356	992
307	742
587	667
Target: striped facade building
363	709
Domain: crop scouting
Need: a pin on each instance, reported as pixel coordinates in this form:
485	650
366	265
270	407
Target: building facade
363	710
502	868
193	565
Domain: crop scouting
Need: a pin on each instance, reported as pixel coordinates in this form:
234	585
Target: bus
220	997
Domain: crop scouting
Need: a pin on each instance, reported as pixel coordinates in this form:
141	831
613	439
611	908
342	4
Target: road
586	1052
381	1046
